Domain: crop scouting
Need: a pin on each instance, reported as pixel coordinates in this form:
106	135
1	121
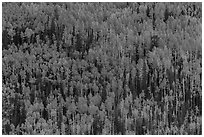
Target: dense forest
102	68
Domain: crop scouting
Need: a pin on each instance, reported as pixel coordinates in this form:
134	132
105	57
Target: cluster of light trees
102	68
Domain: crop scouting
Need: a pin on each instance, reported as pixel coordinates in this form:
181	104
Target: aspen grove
128	68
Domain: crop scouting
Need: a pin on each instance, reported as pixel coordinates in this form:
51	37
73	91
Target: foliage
101	68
